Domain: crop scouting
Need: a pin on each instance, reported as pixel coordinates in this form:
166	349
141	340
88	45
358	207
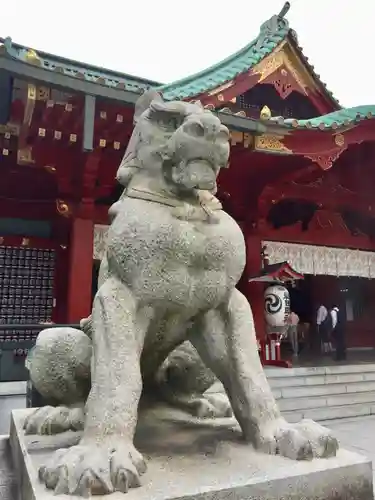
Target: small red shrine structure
301	181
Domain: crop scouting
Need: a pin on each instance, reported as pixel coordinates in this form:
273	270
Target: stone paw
87	470
202	406
302	441
222	407
53	420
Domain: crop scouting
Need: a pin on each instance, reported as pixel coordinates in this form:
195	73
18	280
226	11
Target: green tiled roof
340	118
272	33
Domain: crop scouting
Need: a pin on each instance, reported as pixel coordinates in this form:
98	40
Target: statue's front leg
106	460
225	338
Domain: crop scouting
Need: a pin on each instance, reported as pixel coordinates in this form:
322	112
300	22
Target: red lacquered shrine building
301	182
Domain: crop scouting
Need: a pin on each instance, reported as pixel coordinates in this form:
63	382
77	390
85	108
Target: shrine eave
224	75
279	272
346	117
74	69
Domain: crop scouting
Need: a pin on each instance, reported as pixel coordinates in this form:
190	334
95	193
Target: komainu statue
166	308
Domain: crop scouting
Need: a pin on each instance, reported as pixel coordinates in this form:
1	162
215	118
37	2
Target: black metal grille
26	289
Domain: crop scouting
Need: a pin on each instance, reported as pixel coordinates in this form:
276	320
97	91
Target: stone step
316	386
343	378
317	402
318	370
331	412
323	390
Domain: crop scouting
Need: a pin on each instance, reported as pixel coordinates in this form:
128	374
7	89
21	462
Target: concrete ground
356	434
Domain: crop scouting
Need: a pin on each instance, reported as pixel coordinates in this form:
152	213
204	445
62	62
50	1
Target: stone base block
192	459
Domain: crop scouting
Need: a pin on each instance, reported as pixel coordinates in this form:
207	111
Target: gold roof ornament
32	57
265	113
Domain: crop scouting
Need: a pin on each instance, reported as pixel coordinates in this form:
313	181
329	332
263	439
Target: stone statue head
184	141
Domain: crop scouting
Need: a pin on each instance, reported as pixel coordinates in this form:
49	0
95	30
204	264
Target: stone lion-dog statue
167	306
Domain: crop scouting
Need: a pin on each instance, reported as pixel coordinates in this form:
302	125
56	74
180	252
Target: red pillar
255	291
80	270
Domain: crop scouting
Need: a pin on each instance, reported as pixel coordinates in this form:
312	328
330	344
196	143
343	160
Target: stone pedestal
191	459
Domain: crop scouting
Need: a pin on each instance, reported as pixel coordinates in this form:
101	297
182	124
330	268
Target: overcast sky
165	40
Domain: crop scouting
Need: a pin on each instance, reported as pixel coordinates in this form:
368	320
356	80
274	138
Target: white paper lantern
276	305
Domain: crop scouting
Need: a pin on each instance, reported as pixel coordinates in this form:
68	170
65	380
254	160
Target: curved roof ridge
271	34
340	118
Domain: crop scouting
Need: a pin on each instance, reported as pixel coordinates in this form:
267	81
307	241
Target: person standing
321	334
293	321
338	334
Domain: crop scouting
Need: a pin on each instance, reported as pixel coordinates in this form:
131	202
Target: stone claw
87	470
302	441
50	420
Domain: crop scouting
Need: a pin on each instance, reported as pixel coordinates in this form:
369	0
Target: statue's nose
206	126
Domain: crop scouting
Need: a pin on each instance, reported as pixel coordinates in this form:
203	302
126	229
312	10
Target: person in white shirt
334	316
323	329
338	334
321	314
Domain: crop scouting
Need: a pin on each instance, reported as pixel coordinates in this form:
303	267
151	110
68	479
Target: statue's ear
144	102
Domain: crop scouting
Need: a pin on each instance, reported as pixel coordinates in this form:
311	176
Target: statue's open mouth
202	174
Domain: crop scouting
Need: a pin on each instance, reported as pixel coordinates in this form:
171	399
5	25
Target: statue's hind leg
183	380
106	460
225	338
60	372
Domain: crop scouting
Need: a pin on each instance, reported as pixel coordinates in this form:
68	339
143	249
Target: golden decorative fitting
270	143
68	107
234	100
102	143
5	152
268	65
265	113
247	140
235	137
103	115
25	156
57	135
339	140
223	87
50	168
42	132
220	97
42	93
9	129
116	145
25	242
62	208
119	118
31	92
32	57
73	138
